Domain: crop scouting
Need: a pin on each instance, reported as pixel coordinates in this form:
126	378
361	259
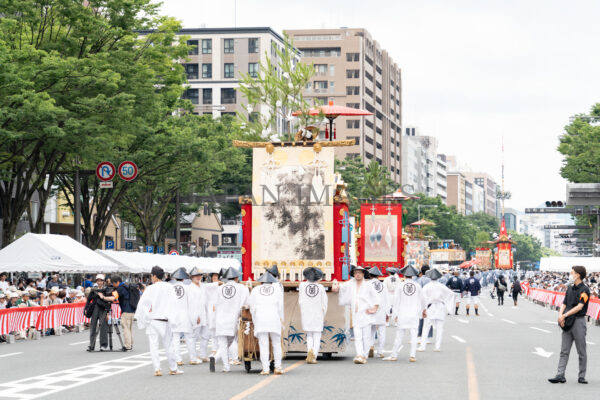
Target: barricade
43	318
553	300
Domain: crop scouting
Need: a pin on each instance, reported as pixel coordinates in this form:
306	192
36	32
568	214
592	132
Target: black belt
163	320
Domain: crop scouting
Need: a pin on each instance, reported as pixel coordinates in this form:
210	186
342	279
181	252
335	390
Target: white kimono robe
390	283
383	301
156	303
440	300
266	308
232	296
312	299
197	305
180	321
360	300
409	304
212	296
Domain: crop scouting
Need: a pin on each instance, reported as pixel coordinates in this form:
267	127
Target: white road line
464	321
550	322
491	315
459	339
10	354
508	321
592	343
540	329
542	353
76	343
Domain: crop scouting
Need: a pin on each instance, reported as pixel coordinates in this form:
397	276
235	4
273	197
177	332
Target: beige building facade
353	70
456	188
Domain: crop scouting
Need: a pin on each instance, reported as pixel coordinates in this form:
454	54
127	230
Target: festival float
503	252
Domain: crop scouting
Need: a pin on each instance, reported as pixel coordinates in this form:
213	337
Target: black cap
180	273
312	274
267	278
409	270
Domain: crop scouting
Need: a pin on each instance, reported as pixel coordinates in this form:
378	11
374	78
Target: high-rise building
441	181
490	188
456	191
352	69
478	199
216	63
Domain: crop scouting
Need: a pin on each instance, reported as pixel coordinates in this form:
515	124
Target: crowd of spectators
559	281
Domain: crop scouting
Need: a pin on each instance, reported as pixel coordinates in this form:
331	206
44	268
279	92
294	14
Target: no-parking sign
174	253
128	170
105	171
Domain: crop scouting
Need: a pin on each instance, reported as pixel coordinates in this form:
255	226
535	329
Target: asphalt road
506	353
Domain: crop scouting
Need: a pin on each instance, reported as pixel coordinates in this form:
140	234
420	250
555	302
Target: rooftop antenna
503	196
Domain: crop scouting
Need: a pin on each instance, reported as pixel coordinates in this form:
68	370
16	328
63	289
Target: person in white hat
267	315
152	314
313	303
3	301
197	313
3	283
363	301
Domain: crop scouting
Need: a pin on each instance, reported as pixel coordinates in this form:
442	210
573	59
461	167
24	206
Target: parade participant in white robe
180	321
233	347
155	307
409	307
312	300
440	301
208	331
390	282
232	296
380	318
266	308
197	313
363	301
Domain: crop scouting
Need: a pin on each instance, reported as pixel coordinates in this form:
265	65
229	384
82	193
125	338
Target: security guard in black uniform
571	319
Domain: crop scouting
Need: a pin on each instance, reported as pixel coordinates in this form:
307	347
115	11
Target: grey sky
472	71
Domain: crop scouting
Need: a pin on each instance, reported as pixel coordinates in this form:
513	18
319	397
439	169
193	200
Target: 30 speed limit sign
128	170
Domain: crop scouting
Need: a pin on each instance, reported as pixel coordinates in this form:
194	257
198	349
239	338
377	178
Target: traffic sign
149	249
160	250
110	245
128	245
173	253
128	170
106	185
105	171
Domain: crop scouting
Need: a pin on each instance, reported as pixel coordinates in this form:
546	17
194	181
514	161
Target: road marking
265	382
491	315
542	353
76	343
540	329
459	339
10	354
592	343
550	322
508	321
464	321
472	377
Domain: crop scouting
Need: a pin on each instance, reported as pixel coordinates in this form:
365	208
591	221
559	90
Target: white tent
564	264
41	253
135	262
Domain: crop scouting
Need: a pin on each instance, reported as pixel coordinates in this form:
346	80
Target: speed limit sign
128	170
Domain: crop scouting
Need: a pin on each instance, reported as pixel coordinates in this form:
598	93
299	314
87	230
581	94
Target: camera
106	292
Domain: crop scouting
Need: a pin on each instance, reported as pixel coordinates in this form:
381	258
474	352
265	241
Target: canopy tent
423	222
43	253
564	264
135	262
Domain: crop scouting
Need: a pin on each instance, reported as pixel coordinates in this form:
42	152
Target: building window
227	96
353	105
356	139
207	96
352	90
353	124
228	70
320	101
369	140
352	73
352	56
215	240
322	52
332	70
206	46
369	92
129	231
191	95
228	46
368	155
253	70
320	69
273	48
253	45
321	87
332	87
206	71
193	51
191	71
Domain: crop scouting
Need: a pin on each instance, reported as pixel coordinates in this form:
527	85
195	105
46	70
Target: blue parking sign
129	245
160	250
110	245
149	249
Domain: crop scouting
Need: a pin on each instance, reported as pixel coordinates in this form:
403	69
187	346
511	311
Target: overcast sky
472	71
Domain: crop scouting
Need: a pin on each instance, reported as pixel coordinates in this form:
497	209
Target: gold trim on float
334	143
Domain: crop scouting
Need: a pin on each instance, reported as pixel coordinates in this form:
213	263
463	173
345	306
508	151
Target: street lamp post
419	211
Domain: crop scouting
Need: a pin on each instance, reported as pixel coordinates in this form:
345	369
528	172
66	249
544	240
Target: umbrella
332	111
423	222
398	195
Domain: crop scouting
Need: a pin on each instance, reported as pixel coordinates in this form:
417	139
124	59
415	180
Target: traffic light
554	203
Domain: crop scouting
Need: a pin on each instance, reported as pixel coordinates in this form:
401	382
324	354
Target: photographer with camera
96	309
128	296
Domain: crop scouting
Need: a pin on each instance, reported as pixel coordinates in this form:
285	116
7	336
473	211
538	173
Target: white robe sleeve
345	294
325	300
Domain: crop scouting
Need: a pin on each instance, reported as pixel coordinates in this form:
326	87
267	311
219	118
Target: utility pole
177	221
77	200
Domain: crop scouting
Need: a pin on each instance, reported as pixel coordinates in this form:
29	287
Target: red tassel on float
326	132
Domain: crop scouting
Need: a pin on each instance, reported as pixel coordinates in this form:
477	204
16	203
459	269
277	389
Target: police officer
571	319
456	285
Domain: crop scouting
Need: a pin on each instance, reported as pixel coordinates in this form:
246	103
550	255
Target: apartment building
352	69
490	188
441	178
217	62
420	164
456	191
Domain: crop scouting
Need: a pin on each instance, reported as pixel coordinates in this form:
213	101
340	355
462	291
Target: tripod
111	324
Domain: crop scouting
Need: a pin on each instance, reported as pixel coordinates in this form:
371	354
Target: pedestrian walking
313	302
455	284
571	318
516	290
501	287
128	307
197	313
424	280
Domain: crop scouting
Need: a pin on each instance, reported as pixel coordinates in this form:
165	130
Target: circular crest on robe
266	290
179	291
409	288
228	291
311	290
378	285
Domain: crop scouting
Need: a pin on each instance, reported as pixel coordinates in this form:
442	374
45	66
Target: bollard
11	338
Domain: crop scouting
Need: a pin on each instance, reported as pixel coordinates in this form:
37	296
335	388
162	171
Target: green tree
528	248
77	85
